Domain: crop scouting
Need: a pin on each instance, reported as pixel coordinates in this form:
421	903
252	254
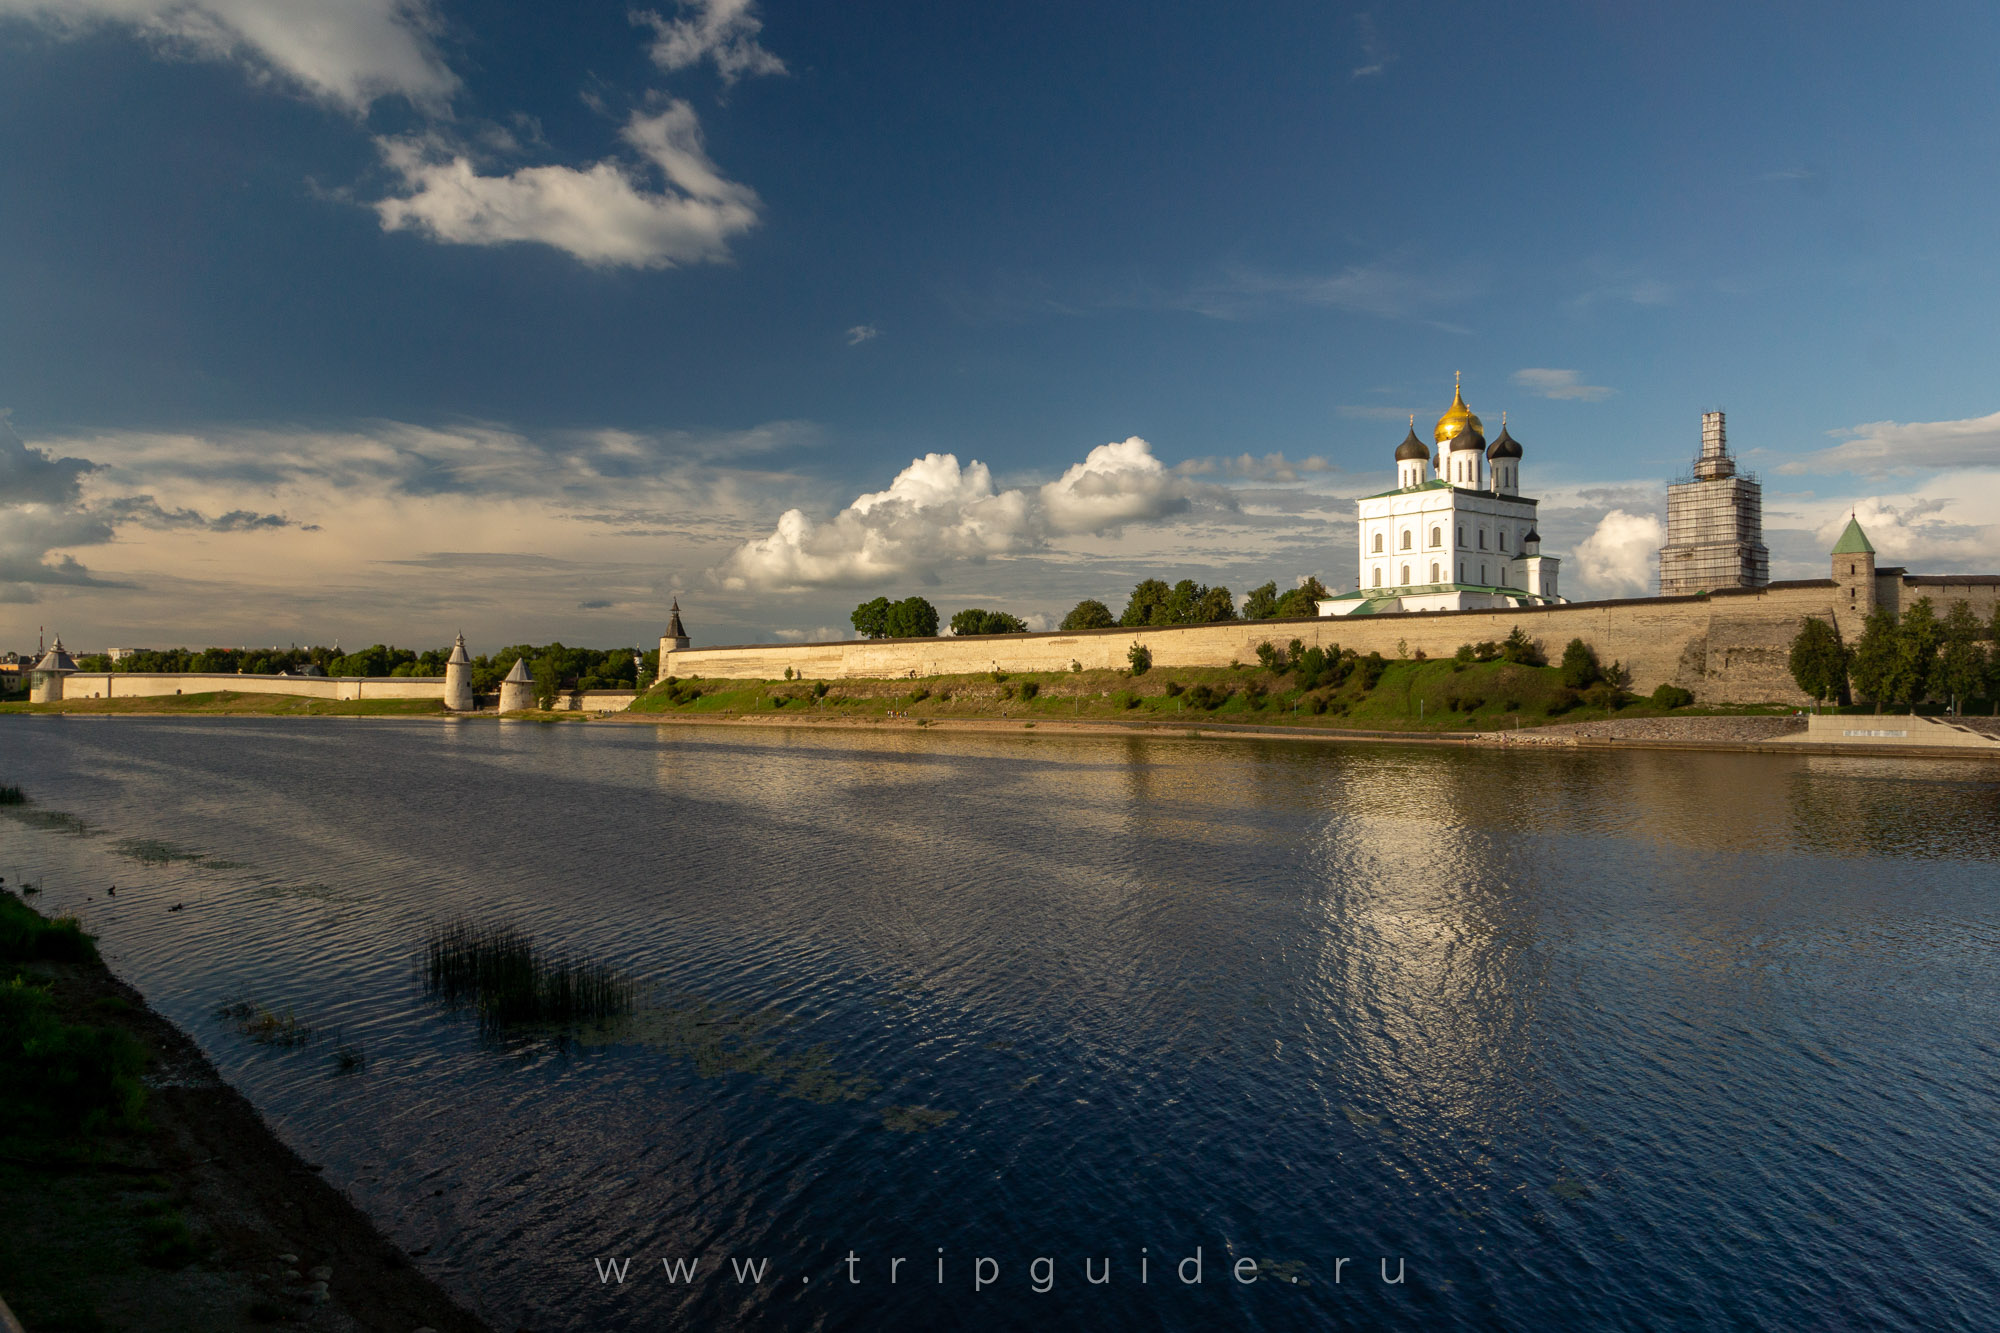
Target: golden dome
1457	417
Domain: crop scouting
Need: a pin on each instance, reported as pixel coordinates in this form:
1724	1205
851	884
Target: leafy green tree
1522	650
912	618
1141	658
1148	604
1962	660
1579	666
1215	604
1918	637
871	619
972	620
1873	665
1089	614
1184	603
1819	659
1299	601
1262	602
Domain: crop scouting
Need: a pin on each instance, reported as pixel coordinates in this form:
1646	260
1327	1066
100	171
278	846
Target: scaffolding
1715	523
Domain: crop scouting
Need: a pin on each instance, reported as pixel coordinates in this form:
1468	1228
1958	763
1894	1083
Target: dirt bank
198	1220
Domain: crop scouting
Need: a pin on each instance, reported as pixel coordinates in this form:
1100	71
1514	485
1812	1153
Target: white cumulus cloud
606	214
1617	560
1560	384
937	512
723	31
348	52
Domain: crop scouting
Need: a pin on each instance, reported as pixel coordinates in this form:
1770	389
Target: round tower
458	679
517	691
673	641
45	686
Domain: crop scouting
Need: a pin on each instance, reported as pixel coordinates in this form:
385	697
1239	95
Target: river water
1607	1039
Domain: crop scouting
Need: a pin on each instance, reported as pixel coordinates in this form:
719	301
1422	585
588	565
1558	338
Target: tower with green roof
1853	580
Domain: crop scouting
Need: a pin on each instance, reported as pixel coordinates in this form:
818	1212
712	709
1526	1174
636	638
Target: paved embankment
1683	730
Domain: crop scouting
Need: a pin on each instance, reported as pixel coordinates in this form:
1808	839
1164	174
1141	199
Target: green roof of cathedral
1853	541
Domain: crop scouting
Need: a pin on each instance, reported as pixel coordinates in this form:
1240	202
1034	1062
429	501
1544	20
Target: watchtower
673	641
458	679
1853	579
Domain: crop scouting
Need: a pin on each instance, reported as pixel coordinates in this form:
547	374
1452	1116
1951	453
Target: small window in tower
1482	539
1461	536
1461	571
1482	574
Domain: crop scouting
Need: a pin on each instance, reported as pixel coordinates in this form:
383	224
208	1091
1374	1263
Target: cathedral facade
1456	534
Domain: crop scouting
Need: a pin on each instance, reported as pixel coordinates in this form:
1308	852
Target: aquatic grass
153	852
513	982
267	1027
10	795
914	1119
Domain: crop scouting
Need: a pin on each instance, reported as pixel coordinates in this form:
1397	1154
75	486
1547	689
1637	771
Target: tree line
1901	660
1153	602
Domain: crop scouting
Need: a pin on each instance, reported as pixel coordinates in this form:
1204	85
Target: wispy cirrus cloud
1560	384
1880	447
862	333
1375	53
346	52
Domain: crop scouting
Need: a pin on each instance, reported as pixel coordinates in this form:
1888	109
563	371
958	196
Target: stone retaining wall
145	684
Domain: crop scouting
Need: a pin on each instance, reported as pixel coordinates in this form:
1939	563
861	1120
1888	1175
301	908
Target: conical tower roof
55	659
1853	541
520	675
674	630
459	657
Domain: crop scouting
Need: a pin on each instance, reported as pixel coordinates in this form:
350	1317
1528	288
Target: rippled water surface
1624	1040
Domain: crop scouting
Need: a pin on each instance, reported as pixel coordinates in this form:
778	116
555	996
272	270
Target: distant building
1462	539
1715	523
120	654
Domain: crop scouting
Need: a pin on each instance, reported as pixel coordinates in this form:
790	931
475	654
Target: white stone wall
137	684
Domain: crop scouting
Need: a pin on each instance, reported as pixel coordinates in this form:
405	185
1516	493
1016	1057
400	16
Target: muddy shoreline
268	1224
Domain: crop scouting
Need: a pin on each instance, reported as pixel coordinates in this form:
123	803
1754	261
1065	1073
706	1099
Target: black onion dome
1412	449
1532	536
1469	438
1506	446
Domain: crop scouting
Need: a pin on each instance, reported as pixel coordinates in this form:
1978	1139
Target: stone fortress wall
1730	646
143	684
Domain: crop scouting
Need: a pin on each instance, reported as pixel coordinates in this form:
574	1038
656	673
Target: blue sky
374	319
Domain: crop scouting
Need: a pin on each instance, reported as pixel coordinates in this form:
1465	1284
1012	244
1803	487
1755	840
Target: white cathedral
1456	534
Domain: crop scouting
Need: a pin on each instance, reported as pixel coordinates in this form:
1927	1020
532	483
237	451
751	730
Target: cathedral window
1406	576
1378	543
1406	539
1378	576
1503	539
1434	571
1461	536
1437	537
1482	539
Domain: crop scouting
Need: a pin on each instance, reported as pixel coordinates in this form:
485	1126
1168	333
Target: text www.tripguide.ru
983	1272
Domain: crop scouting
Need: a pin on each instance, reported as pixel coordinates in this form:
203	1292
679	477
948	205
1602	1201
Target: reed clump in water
511	981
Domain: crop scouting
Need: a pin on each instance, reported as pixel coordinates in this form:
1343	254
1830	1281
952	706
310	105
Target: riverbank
147	1194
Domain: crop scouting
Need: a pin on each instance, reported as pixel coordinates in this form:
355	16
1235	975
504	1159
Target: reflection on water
1637	1039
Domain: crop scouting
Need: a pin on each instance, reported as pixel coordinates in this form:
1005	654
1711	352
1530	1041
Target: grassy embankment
1437	694
141	1193
239	703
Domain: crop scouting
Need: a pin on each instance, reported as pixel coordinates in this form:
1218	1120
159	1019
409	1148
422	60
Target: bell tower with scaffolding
1715	523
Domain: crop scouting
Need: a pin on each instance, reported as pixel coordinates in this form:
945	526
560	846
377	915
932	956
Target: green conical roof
1853	541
